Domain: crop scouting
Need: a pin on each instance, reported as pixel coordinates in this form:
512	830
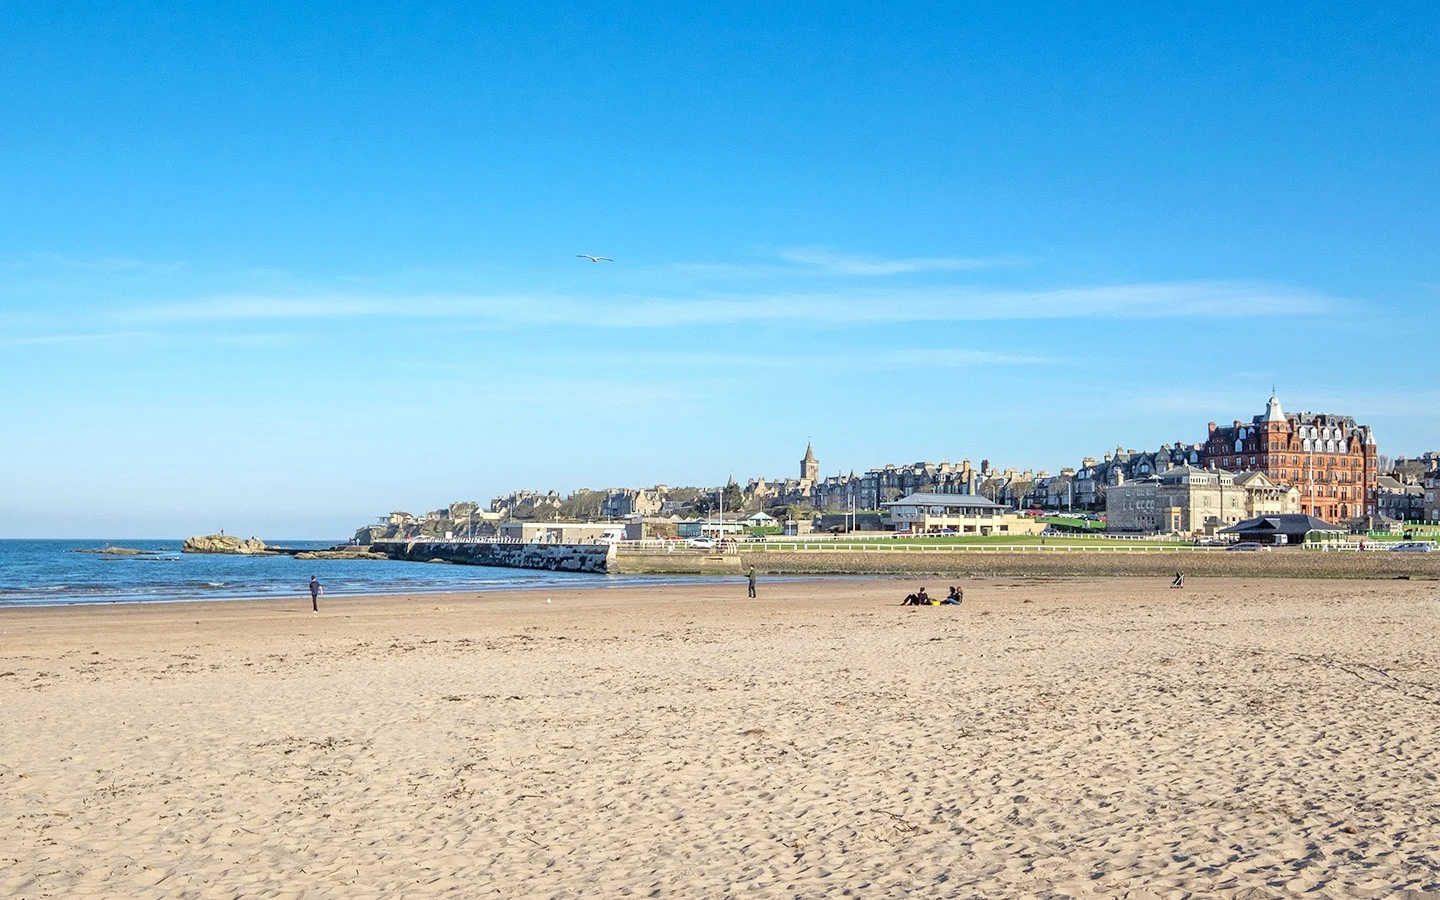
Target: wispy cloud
834	262
935	357
1173	300
161	338
40	340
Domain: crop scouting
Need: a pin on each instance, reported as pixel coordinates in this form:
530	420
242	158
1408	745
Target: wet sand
1071	737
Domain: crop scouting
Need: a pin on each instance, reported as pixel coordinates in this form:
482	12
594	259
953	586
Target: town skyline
1322	464
274	271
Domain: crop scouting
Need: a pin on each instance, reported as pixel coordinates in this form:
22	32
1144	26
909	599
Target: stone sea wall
678	561
595	558
1276	564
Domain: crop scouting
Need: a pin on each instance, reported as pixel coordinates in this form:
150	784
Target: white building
958	513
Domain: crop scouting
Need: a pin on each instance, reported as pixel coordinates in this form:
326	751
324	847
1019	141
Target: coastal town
1275	477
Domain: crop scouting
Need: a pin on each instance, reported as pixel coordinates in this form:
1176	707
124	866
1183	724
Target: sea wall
678	560
595	558
1275	564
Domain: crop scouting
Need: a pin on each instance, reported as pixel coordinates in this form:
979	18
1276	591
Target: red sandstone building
1329	458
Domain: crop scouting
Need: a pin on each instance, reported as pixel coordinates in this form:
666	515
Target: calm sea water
45	573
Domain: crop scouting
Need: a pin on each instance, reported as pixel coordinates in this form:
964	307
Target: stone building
1182	500
1432	495
809	466
622	502
869	490
1400	499
1130	507
872	489
1093	478
1264	497
527	504
1053	491
1330	458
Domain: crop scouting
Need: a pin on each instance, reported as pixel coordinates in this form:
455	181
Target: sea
72	572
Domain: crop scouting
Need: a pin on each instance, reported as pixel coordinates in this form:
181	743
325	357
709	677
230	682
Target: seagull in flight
594	258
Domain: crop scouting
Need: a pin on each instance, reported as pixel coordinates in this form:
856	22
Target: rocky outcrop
348	553
222	543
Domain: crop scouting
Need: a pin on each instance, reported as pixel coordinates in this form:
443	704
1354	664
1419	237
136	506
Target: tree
583	504
734	499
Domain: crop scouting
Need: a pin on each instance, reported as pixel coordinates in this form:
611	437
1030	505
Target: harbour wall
593	558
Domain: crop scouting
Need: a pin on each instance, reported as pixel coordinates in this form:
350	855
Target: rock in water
222	543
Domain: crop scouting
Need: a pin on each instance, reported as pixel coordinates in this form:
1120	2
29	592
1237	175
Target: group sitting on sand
920	598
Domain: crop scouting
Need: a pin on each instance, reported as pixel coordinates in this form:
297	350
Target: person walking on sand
752	581
316	589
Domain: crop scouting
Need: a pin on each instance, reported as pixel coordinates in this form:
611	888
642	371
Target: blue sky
279	269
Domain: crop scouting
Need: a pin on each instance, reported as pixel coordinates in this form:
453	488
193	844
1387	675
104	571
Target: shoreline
601	583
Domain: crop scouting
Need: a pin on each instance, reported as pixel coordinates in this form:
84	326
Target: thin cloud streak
42	340
946	357
837	263
1177	300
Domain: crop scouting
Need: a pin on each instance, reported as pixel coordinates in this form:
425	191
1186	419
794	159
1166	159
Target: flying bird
594	258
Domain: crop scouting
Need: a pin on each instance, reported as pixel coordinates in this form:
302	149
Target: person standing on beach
752	581
316	589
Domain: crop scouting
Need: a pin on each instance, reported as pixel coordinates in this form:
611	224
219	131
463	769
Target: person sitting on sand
953	598
919	598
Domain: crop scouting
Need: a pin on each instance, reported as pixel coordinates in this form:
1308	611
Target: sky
281	269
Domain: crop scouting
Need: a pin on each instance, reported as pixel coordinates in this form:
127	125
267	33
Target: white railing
1367	545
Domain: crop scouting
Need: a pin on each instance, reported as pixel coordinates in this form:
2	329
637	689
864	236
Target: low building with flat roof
958	513
566	532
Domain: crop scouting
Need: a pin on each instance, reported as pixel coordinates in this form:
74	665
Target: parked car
1413	547
1247	545
703	543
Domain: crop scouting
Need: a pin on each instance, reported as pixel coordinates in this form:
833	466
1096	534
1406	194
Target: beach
1089	737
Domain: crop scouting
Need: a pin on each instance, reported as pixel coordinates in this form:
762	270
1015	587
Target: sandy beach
1051	738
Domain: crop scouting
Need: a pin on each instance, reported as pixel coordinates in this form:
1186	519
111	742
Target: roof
1178	475
957	501
1288	523
1273	412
